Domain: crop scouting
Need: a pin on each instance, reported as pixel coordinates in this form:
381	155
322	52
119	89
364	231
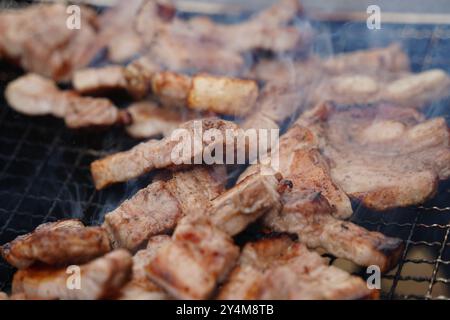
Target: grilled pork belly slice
155	154
418	89
101	278
57	243
315	204
150	120
140	286
199	256
384	156
389	60
222	95
308	214
202	240
99	79
156	209
37	37
412	90
247	201
279	268
34	95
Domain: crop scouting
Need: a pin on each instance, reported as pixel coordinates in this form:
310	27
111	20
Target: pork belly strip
158	154
99	79
386	157
202	240
294	86
199	256
38	38
279	268
205	46
203	92
34	95
391	60
247	201
315	204
101	278
57	243
156	209
140	287
150	120
411	90
222	95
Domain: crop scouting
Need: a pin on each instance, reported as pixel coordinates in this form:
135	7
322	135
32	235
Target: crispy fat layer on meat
281	269
156	209
57	243
199	256
35	95
100	278
385	156
222	95
151	155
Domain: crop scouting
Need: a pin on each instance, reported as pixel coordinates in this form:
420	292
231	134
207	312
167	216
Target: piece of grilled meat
278	268
40	39
35	95
199	256
158	154
156	209
57	243
313	207
140	286
404	89
99	279
202	240
383	155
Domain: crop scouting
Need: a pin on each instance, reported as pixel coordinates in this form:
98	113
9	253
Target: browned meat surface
140	286
247	201
308	214
100	278
34	95
282	269
171	88
155	154
315	204
57	243
385	156
199	256
38	38
139	75
156	209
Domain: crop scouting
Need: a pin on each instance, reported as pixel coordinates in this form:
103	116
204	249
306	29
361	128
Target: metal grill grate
44	172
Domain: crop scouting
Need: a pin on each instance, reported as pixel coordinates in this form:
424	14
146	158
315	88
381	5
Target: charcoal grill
44	171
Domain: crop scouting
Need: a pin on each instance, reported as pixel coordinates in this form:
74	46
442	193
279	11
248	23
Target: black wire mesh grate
44	172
